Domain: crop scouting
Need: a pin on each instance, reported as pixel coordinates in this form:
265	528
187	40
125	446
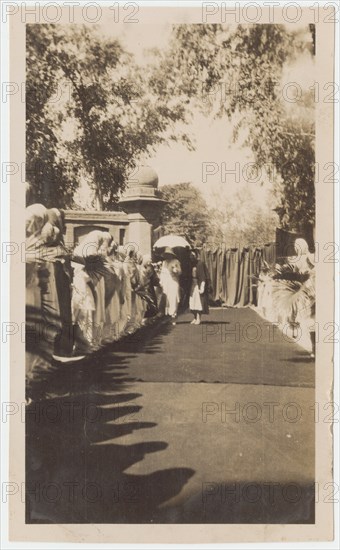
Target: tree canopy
186	213
239	221
236	221
93	113
109	114
237	73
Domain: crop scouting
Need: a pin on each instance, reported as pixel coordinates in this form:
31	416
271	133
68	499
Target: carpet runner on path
234	346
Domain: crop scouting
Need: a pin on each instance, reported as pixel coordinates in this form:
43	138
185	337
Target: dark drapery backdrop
234	272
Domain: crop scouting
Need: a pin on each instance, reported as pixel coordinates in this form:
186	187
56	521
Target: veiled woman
114	295
88	297
48	278
169	280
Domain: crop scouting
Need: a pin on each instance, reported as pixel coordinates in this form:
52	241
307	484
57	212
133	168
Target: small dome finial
145	176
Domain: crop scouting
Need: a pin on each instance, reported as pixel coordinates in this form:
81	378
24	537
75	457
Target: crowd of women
98	291
79	299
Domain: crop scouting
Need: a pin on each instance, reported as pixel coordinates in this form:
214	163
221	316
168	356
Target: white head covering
146	259
89	244
106	242
49	233
301	247
36	217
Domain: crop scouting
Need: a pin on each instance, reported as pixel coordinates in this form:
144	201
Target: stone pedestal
143	209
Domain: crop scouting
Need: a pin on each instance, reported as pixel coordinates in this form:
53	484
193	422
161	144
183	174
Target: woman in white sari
88	297
114	296
169	281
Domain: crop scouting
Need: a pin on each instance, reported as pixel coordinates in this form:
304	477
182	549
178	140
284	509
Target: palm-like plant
95	265
293	291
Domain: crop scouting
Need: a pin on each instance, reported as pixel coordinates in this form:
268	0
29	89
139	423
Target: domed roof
145	177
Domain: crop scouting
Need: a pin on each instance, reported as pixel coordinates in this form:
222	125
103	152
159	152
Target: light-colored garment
36	217
304	263
127	309
88	308
133	308
115	322
304	260
99	314
90	244
265	300
33	291
195	302
83	303
169	280
43	230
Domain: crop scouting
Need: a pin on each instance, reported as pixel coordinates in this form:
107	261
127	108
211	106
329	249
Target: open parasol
171	241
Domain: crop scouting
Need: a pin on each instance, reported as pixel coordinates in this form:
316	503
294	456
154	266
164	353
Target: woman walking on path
198	301
169	280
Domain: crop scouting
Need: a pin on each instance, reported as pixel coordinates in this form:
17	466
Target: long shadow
250	502
147	337
301	359
48	376
75	471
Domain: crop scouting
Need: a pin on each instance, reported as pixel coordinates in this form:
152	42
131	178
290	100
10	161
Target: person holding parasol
169	281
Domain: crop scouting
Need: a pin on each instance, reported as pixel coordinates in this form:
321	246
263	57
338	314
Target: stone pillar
143	207
139	233
69	235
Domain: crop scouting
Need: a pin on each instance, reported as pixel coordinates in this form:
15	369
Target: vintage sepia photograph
170	281
178	281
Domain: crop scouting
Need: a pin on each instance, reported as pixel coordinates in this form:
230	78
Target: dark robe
146	290
202	275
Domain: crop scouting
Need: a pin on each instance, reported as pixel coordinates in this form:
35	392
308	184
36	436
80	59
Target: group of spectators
113	289
99	289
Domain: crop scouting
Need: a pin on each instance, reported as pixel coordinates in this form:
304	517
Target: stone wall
79	223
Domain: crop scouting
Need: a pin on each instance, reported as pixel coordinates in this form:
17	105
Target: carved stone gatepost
143	208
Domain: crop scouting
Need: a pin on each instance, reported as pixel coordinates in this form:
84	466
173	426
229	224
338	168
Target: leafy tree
238	221
185	213
48	175
114	110
235	220
237	72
